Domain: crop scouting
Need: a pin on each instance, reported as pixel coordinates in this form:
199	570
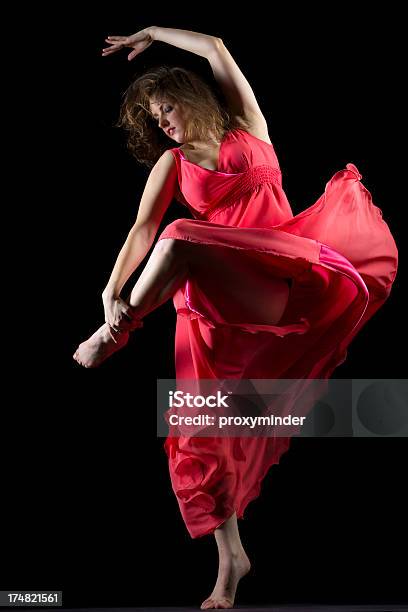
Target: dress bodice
245	190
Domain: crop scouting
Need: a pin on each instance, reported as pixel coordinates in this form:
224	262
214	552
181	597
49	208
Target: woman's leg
261	297
233	564
167	268
163	274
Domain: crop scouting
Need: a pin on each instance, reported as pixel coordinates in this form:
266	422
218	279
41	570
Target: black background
88	506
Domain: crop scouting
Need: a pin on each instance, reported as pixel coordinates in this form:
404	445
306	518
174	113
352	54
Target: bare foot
230	571
99	347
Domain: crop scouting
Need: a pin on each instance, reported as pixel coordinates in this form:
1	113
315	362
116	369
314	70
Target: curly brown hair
202	111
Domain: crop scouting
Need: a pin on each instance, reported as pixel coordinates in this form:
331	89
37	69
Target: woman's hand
138	42
117	312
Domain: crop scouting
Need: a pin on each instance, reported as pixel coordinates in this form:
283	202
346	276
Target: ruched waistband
248	180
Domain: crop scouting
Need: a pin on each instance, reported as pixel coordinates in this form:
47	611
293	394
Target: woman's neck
203	145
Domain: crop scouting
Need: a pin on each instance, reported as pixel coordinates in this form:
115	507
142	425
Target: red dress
342	260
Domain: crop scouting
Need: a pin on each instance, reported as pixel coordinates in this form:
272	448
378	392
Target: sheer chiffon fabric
340	259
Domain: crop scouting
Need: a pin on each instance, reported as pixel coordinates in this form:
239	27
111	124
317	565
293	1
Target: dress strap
178	193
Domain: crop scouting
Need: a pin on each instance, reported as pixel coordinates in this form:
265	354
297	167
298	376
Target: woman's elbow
218	42
143	232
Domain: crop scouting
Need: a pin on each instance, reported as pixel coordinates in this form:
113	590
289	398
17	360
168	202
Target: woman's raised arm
200	44
237	91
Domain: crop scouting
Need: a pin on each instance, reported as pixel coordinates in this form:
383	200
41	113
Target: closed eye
166	110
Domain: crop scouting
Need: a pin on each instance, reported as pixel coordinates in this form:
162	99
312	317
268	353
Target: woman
259	293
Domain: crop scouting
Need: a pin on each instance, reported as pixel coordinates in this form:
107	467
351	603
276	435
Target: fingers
119	323
110	50
114	39
116	42
141	40
124	310
119	315
127	314
112	326
132	55
123	320
111	334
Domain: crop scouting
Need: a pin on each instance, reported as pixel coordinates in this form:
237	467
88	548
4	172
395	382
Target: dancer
259	293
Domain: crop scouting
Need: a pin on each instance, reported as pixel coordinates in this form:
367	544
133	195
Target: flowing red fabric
341	259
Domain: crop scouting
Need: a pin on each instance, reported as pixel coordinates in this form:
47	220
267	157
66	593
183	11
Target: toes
221	604
214	604
77	359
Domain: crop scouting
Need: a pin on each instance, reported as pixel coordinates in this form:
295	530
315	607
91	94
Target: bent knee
168	246
178	227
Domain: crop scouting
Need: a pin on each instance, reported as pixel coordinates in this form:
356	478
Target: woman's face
169	118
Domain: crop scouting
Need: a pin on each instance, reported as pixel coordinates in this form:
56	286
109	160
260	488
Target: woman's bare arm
237	91
200	44
157	195
235	87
